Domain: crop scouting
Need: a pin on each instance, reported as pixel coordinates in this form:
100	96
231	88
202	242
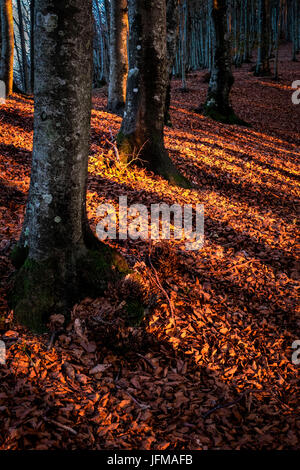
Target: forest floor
219	375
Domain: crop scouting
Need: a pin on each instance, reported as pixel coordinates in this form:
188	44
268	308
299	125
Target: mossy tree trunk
142	130
217	104
262	63
56	253
7	46
118	56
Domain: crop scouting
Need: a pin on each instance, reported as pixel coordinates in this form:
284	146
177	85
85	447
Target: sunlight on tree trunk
118	56
7	49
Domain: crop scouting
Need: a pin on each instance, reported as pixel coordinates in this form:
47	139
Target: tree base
226	117
151	156
47	287
262	73
168	120
116	108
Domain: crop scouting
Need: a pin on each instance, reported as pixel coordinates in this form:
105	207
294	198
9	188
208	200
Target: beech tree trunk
172	38
118	56
217	103
277	37
54	253
32	45
26	82
262	64
7	49
142	131
295	30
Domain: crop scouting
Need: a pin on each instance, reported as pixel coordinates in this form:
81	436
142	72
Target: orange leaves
221	375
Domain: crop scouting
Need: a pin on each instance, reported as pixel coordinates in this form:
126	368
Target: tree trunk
142	131
246	58
118	56
217	103
277	40
7	50
32	45
57	265
183	28
262	64
294	20
23	49
172	38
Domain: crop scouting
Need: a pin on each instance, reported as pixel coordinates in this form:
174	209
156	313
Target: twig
141	405
51	341
245	263
226	405
63	426
114	146
32	363
147	360
134	158
158	283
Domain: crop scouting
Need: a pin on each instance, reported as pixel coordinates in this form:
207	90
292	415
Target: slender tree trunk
107	11
23	48
106	66
142	130
7	50
217	103
294	19
262	64
183	45
246	58
172	38
118	56
277	40
53	252
32	45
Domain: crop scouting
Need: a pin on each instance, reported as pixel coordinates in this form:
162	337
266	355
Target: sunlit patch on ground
219	374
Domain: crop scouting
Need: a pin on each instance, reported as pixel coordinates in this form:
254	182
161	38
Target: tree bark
32	45
54	253
142	131
172	38
277	40
262	64
7	49
23	49
295	31
118	56
217	103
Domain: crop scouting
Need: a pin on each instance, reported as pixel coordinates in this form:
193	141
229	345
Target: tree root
54	285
